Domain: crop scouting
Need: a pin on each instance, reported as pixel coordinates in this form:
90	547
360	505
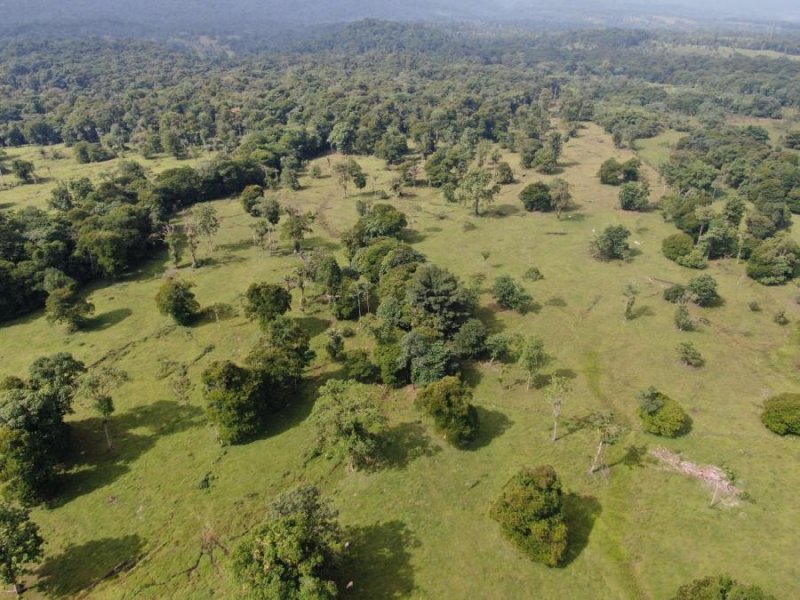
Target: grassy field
420	527
55	163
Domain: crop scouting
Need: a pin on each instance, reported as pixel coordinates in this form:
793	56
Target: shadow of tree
502	210
634	457
576	424
542	380
78	566
243	244
412	236
93	466
379	561
108	319
580	513
313	326
642	311
407	442
491	424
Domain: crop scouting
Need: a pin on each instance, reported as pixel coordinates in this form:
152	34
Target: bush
533	274
531	514
720	588
774	261
675	294
635	196
677	246
612	244
266	302
780	318
689	355
175	298
703	290
357	366
448	402
233	401
510	294
694	260
683	320
661	415
334	344
388	358
504	175
782	414
536	196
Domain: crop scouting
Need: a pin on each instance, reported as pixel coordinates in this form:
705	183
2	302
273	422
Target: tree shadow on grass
93	466
580	513
502	210
642	311
634	457
78	567
491	424
576	424
379	561
108	319
313	326
244	244
542	380
488	317
407	442
412	236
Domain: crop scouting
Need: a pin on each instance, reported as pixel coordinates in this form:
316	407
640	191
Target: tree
64	305
470	340
677	246
634	195
251	198
265	302
556	394
775	261
477	189
630	293
20	545
702	290
504	175
661	415
612	244
440	299
234	402
175	238
608	432
536	197
683	319
560	196
176	299
206	223
531	514
294	554
347	172
781	414
97	386
349	423
23	170
295	227
545	161
720	587
533	358
510	294
448	402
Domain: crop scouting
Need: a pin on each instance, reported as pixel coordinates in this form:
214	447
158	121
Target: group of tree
539	196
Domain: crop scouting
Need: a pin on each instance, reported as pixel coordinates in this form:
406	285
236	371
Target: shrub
357	366
334	344
233	401
510	294
675	293
266	302
661	415
531	514
504	175
175	298
754	306
774	261
694	260
780	318
533	274
388	357
635	196
448	402
720	588
612	244
689	355
677	246
703	290
536	196
683	320
782	414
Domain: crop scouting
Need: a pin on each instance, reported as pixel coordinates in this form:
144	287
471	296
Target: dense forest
295	172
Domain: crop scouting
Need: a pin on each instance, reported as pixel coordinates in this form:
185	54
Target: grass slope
420	528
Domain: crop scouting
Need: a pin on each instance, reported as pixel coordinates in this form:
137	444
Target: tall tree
477	189
556	395
20	545
533	358
97	387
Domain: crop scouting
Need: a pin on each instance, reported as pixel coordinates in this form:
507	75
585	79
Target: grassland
420	527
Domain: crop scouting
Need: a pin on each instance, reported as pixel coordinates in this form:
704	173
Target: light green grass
656	151
49	171
420	529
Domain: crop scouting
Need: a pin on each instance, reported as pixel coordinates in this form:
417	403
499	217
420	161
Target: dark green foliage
510	294
470	340
536	197
775	261
703	290
780	318
20	544
64	305
612	243
349	423
427	356
504	175
358	367
392	146
389	359
251	197
369	260
265	302
661	415
23	170
531	514
176	299
294	554
612	172
634	195
782	414
683	319
439	299
91	153
234	402
676	293
448	403
689	355
533	274
720	588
